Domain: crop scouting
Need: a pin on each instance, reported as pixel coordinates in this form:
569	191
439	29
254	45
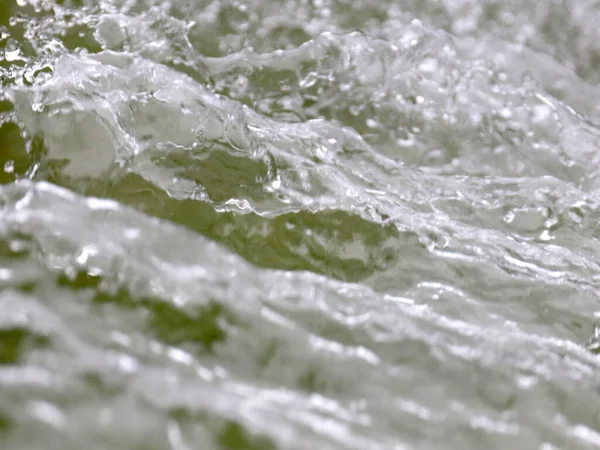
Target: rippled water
321	224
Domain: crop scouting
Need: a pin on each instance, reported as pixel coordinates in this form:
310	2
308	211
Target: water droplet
86	252
12	52
276	184
593	345
47	413
5	274
575	214
127	364
371	123
435	156
428	65
505	113
345	87
309	80
132	233
355	110
508	217
540	113
109	33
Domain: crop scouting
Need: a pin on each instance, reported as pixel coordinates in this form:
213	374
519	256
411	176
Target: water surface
307	225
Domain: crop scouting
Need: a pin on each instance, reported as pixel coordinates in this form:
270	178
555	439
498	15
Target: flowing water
311	224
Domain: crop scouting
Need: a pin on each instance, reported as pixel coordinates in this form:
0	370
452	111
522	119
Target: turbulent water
321	224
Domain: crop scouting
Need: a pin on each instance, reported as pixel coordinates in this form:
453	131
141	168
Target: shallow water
304	225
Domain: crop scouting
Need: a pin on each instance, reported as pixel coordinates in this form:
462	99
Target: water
304	225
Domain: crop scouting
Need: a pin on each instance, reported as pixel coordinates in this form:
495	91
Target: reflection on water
299	225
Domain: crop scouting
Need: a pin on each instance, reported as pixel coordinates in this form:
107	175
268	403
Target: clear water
317	224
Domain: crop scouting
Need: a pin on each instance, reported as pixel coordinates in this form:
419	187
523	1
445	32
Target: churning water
323	224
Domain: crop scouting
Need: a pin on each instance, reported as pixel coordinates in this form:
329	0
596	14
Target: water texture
321	224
